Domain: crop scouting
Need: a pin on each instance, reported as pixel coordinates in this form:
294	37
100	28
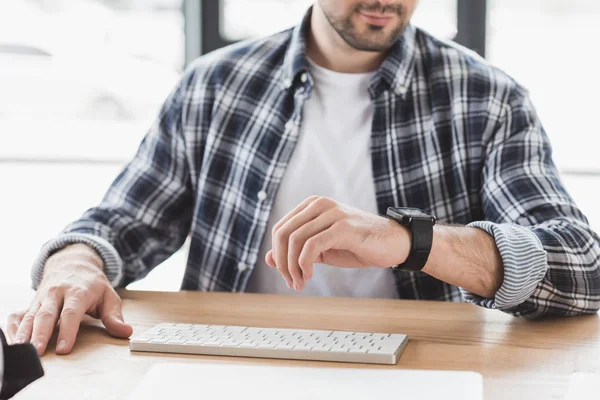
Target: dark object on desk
19	366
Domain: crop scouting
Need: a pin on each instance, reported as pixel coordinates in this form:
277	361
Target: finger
287	217
299	237
270	260
23	334
314	248
112	317
282	235
70	320
12	325
45	321
295	211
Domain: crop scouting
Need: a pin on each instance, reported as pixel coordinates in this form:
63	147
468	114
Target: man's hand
73	285
321	230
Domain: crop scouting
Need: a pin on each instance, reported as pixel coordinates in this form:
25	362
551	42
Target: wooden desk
519	359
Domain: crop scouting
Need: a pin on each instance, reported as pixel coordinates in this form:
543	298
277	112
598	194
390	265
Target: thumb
112	317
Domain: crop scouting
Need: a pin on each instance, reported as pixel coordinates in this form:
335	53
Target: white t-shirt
332	159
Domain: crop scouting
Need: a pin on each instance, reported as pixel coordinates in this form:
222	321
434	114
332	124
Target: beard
374	38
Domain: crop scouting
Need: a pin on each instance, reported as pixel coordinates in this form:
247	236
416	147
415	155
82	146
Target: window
15	49
80	82
438	17
242	19
550	47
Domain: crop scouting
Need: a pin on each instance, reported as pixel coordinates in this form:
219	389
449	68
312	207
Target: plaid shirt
451	135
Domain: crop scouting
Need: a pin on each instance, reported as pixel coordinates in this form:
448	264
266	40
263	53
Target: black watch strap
422	238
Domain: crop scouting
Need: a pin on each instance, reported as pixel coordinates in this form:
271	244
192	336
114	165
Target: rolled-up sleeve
550	254
113	265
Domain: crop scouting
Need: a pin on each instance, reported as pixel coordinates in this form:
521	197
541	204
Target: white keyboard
297	344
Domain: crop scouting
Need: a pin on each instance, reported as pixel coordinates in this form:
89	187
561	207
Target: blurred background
81	81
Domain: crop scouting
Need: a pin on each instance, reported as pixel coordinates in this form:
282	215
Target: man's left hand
321	230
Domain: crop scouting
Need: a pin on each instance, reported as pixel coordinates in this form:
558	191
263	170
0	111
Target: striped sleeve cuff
525	265
113	265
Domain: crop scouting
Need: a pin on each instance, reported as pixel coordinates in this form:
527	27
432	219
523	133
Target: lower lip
378	21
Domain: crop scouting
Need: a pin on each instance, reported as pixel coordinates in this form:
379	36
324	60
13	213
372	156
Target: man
362	110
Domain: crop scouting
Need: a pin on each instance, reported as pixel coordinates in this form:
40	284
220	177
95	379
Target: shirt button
287	83
262	195
289	125
242	267
303	77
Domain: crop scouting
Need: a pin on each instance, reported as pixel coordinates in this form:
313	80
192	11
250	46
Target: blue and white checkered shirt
451	135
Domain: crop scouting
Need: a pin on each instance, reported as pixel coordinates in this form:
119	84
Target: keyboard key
236	329
321	348
285	346
212	343
358	351
380	336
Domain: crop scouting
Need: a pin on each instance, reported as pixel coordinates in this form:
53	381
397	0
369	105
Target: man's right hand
73	285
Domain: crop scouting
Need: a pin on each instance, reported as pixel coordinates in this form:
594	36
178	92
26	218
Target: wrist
402	242
83	253
438	249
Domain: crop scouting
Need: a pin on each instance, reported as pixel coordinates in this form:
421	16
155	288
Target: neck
327	49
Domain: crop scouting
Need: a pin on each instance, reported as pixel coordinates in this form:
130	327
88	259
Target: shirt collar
395	73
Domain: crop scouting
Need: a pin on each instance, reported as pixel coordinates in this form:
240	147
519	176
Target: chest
418	156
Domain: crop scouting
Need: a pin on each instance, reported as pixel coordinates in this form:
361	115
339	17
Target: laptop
224	381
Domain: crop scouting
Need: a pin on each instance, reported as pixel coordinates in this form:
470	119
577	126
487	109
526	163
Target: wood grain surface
519	359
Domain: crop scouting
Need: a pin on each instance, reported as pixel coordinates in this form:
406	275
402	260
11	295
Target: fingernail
288	284
19	341
297	286
38	347
62	346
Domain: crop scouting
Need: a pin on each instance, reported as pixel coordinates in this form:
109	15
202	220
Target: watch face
412	212
405	215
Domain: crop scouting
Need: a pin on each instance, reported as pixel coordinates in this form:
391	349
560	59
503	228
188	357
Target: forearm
466	257
548	269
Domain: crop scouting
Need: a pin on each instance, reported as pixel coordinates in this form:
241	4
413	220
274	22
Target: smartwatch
420	225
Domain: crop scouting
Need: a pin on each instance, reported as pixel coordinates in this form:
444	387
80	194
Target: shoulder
447	62
259	58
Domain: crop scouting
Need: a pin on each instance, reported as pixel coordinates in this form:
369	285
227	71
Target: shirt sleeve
551	255
146	213
113	265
